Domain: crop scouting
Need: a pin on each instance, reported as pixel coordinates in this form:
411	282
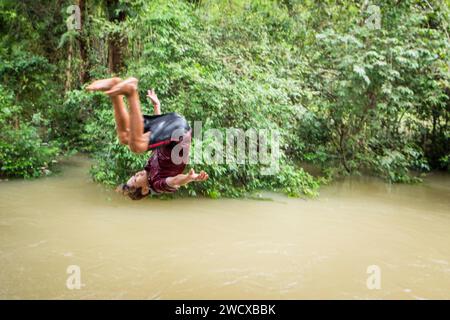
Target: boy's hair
132	192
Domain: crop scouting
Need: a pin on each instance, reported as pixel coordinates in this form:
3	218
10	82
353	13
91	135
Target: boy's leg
120	113
137	139
122	119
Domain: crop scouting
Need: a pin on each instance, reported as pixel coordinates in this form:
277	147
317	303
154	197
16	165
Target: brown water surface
209	249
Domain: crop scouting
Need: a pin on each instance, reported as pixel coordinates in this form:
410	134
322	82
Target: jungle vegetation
353	87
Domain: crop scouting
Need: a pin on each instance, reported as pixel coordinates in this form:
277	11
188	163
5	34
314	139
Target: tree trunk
84	74
67	85
117	43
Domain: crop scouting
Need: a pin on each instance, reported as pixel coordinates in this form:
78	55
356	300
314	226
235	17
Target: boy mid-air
169	135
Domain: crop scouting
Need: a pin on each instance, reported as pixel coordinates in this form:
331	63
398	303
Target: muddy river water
64	226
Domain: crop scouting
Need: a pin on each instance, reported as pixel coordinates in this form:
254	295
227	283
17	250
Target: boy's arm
155	101
183	179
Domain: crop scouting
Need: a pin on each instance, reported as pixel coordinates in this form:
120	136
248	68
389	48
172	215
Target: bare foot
126	87
103	84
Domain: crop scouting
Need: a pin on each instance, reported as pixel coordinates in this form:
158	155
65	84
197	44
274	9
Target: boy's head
136	187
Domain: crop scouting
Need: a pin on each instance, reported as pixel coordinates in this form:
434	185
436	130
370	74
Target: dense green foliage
345	96
22	151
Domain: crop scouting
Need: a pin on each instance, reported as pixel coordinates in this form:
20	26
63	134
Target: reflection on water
201	248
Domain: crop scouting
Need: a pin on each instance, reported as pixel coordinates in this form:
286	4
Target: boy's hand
192	176
153	97
183	179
